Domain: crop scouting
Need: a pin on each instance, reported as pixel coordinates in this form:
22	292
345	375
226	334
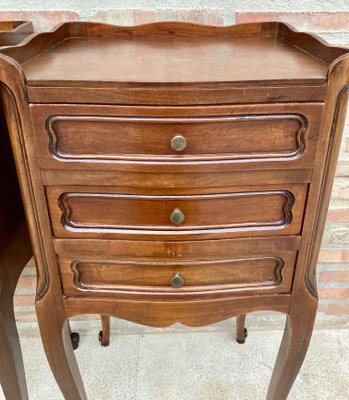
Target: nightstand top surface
172	63
173	59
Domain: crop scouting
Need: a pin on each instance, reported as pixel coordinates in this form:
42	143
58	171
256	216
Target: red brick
340	190
26	281
334	276
115	17
24	301
143	16
334	256
334	293
31	263
23	316
321	308
342	168
338	215
42	20
320	22
337	309
210	17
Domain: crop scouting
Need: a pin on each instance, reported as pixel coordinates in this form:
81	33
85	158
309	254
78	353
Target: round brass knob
178	143
177	216
177	280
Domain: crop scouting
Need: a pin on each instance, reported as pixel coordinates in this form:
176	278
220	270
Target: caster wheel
104	343
245	336
75	339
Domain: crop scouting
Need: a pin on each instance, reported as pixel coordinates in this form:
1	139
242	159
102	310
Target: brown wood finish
198	276
241	331
172	95
189	313
201	182
293	76
188	57
143	270
244	211
16	27
100	187
14	32
104	334
73	136
15	248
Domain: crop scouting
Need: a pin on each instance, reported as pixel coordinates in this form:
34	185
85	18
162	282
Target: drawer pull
178	143
177	216
177	280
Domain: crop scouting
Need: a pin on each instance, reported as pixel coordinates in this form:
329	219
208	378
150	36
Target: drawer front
94	212
245	269
100	137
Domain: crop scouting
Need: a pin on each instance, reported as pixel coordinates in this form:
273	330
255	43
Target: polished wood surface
16	27
142	269
206	182
171	61
104	334
14	32
197	275
242	211
15	248
170	53
73	136
241	331
171	58
106	213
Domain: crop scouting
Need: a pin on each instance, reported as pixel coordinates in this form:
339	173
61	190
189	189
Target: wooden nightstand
14	32
15	249
176	173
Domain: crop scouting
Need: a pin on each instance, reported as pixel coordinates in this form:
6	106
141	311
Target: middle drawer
242	211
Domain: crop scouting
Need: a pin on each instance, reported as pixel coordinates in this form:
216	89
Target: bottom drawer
108	268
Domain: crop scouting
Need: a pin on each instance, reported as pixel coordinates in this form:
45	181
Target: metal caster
104	342
244	339
75	339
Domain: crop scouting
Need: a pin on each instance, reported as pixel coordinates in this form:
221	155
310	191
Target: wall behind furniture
329	18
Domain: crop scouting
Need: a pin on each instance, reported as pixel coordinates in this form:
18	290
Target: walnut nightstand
174	172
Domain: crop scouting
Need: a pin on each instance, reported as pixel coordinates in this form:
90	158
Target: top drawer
100	137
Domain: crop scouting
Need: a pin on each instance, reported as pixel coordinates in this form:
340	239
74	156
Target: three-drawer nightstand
175	172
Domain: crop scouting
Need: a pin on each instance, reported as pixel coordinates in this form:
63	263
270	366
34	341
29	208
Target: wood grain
89	135
103	277
84	194
176	55
15	248
243	211
189	313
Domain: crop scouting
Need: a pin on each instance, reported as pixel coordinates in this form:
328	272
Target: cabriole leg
55	335
294	346
12	377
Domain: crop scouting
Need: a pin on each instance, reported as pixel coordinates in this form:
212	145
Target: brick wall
329	18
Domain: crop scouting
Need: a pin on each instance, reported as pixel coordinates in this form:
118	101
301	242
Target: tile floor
190	364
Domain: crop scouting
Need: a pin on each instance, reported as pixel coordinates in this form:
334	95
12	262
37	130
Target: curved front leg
55	335
293	349
12	376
